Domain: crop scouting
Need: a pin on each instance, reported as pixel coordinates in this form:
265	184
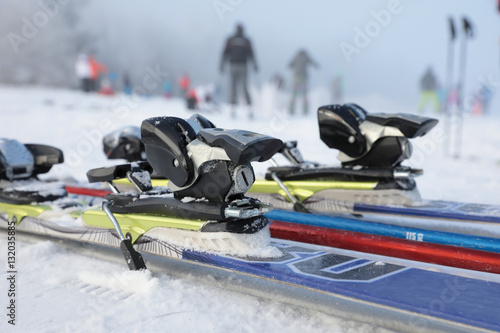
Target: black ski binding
376	140
20	165
124	143
209	171
371	149
202	161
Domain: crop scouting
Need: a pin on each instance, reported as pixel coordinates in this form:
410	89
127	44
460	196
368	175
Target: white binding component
372	132
200	152
244	245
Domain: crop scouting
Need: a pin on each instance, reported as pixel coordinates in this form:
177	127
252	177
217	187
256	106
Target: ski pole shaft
449	88
448	91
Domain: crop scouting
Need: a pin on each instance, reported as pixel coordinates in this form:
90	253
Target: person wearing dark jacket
238	52
299	65
429	87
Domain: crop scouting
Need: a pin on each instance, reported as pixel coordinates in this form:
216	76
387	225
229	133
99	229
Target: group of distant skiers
238	53
88	71
432	93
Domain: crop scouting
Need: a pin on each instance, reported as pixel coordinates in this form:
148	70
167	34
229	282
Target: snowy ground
60	291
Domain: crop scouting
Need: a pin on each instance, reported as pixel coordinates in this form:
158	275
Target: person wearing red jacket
96	68
184	83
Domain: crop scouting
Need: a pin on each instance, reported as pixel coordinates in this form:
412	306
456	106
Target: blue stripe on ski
459	299
348	265
381	229
439	210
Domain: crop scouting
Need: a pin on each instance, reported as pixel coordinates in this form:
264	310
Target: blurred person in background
82	69
166	87
278	85
481	100
127	84
337	89
429	88
184	83
238	52
96	68
299	65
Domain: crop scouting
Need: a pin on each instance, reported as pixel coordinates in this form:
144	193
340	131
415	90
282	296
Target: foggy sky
188	36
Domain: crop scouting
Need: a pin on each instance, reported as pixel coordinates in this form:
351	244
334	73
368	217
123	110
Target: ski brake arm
132	257
297	205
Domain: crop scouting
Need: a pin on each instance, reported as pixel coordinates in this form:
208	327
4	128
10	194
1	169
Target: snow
59	290
256	245
142	179
32	185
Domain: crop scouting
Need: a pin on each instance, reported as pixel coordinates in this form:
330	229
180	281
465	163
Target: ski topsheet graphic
433	298
223	228
438	209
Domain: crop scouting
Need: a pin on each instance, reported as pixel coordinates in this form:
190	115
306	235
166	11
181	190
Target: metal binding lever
113	187
405	172
297	205
292	153
244	209
132	257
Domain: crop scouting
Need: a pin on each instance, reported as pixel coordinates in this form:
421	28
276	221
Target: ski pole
449	87
468	32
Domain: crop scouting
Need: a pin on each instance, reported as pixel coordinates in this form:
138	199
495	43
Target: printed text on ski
11	272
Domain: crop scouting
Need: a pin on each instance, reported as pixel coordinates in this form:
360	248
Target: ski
208	167
459	242
205	217
444	248
315	197
371	179
416	297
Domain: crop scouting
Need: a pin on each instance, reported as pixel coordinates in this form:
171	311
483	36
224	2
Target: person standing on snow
482	100
127	84
82	69
238	51
184	84
166	87
299	66
337	89
96	68
429	88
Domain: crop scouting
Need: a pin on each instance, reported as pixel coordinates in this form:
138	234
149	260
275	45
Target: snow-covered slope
59	291
62	291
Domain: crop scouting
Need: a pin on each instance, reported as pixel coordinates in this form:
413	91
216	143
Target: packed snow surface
61	291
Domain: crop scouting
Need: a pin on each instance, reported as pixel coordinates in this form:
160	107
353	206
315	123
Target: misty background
42	39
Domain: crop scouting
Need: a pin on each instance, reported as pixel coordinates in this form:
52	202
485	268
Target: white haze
188	36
